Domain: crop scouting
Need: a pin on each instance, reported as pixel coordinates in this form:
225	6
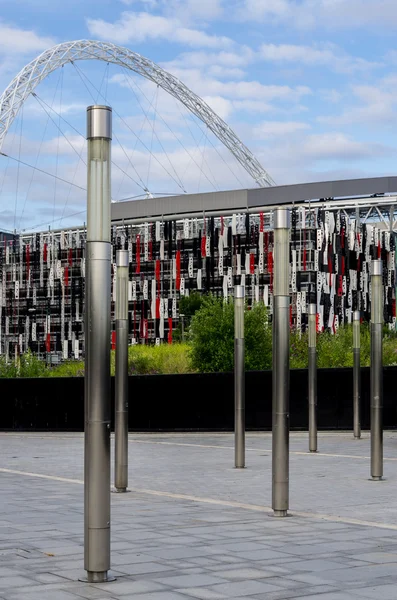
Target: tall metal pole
97	340
239	379
121	378
376	371
312	379
280	400
356	375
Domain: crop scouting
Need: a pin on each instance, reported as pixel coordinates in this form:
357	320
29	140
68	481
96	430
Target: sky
309	86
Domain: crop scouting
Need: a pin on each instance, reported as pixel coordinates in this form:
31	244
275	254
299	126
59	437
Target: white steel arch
25	82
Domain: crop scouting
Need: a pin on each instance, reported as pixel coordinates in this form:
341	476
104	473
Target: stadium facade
205	243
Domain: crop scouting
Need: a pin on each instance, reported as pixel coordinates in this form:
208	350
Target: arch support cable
30	76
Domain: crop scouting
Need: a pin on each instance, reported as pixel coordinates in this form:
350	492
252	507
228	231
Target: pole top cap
122	258
312	309
239	291
356	315
376	267
99	122
281	218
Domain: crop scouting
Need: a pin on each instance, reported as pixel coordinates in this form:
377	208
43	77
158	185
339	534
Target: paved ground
193	527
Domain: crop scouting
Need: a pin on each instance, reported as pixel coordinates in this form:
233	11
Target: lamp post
356	376
280	400
97	348
121	374
312	379
376	371
239	379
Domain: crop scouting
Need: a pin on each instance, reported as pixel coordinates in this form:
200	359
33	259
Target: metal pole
239	379
182	327
356	375
280	400
97	358
121	378
312	379
376	371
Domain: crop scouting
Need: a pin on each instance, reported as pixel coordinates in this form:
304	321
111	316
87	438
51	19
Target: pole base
120	490
313	451
280	513
357	437
376	477
97	577
239	466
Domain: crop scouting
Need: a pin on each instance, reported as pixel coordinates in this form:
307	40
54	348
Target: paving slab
192	526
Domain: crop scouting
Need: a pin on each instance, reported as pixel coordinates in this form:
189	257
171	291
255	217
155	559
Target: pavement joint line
365	435
319	454
214	501
295	452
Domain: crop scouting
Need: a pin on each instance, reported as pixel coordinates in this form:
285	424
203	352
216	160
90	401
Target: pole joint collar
99	122
281	218
122	258
376	267
239	291
312	309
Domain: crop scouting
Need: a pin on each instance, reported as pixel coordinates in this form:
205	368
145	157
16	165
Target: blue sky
310	86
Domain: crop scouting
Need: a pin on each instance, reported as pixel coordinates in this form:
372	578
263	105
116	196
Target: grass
333	351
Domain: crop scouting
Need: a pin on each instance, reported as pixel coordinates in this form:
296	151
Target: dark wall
192	402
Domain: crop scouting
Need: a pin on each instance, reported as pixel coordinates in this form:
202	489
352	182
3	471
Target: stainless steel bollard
376	371
121	374
280	399
356	375
312	378
239	379
97	348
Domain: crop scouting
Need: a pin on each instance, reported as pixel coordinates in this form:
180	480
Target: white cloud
221	106
224	73
271	129
14	40
253	106
326	55
193	10
330	95
376	106
142	26
318	157
15	43
338	146
184	10
262	9
329	14
67	108
225	97
238	90
223	64
149	3
201	59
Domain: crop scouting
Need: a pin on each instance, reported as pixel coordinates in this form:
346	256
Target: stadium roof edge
244	199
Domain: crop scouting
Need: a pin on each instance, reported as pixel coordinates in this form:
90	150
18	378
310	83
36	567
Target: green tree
212	337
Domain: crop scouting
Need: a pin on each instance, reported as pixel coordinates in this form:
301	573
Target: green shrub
298	350
211	348
70	368
336	350
189	305
164	359
27	365
212	337
142	360
31	366
8	369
